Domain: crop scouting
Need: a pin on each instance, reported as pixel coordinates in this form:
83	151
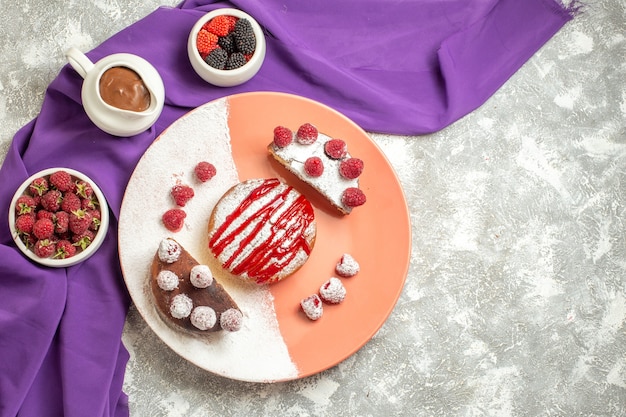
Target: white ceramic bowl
80	255
226	78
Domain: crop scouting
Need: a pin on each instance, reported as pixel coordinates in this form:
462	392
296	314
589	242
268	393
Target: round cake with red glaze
262	230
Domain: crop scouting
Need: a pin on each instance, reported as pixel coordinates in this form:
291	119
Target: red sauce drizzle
268	258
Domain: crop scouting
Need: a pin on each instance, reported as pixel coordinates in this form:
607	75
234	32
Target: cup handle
79	61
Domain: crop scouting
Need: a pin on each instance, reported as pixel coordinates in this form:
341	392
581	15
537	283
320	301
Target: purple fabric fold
401	67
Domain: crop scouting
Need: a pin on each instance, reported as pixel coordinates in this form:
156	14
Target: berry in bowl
58	217
226	47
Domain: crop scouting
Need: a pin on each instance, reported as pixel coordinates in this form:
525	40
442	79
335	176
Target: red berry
96	219
71	202
64	249
25	204
353	197
181	194
38	186
44	214
24	223
174	219
61	222
80	220
347	266
62	181
51	200
28	240
43	229
220	25
205	171
44	248
332	291
90	203
335	149
351	168
313	166
307	134
206	42
83	240
282	136
83	189
312	307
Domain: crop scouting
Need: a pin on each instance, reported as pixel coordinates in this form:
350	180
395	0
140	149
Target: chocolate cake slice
187	295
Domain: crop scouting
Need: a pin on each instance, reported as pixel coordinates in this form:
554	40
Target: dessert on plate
187	295
322	162
262	230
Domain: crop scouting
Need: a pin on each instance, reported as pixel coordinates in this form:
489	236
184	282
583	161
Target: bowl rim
253	65
79	257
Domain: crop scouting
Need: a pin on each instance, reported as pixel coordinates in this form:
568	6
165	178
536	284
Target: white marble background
515	302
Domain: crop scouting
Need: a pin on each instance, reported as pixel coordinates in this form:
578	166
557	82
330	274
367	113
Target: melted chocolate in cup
123	88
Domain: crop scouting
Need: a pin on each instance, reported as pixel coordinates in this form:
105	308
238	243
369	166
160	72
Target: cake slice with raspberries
187	295
322	162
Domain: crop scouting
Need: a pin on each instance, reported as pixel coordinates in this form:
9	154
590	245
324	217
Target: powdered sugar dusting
181	306
169	251
347	266
333	291
257	351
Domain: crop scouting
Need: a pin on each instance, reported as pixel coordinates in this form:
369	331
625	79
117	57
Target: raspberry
282	136
333	291
71	202
44	214
243	33
44	248
235	60
80	220
353	197
217	58
43	229
335	149
24	223
38	186
231	320
90	203
233	21
205	171
347	266
313	166
62	181
84	189
181	194
206	42
174	219
307	134
64	249
61	222
83	240
219	25
25	204
351	168
51	200
28	240
312	307
96	218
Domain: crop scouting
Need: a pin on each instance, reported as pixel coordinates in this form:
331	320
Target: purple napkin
406	67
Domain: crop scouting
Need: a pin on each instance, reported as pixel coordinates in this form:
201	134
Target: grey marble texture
515	301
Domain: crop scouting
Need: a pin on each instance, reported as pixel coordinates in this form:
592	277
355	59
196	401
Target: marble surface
515	302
